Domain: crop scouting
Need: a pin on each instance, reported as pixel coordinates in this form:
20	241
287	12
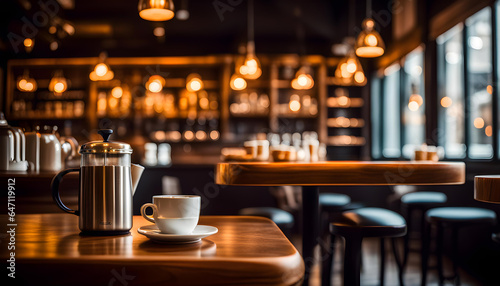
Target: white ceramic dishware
152	232
174	214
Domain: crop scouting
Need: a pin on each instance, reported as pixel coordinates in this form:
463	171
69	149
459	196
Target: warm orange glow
417	98
201	135
369	52
369	43
214	135
237	82
117	92
351	65
479	122
59	87
28	43
156	10
413	106
488	131
101	69
294	105
371	40
155	83
58	83
101	72
446	102
303	80
250	69
359	77
194	83
489	89
189	135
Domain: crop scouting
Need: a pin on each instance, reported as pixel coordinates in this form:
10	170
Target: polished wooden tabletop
487	188
246	250
340	173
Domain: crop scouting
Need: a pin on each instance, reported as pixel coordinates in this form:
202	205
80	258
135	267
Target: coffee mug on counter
174	214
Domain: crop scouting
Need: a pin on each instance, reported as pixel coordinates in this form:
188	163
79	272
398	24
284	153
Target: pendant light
349	70
156	10
250	68
369	43
26	84
194	83
237	82
155	83
303	79
102	72
58	84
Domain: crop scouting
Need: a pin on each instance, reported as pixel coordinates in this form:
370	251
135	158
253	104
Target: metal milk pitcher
108	182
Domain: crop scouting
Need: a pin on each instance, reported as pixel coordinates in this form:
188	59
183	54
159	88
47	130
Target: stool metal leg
328	262
352	260
454	255
406	249
439	253
398	261
425	252
382	261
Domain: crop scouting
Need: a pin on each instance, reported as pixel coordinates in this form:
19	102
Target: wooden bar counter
246	251
334	173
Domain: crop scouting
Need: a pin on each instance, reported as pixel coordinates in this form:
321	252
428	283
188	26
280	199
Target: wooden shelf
344	122
334	81
346	140
344	102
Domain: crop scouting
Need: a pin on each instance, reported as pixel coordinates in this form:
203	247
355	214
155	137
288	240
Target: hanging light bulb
303	79
58	83
29	44
349	71
102	72
237	82
156	10
155	83
117	92
250	68
194	82
26	84
369	43
183	12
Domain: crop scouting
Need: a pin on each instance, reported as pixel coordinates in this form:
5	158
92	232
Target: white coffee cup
174	214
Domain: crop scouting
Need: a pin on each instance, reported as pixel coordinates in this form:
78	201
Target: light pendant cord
368	8
250	21
351	17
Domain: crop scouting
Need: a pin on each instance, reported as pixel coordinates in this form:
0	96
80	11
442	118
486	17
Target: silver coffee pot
108	182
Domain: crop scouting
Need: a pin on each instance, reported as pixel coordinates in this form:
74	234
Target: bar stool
354	225
330	205
283	219
454	218
418	201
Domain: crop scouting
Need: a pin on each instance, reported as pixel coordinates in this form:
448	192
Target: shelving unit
274	86
347	120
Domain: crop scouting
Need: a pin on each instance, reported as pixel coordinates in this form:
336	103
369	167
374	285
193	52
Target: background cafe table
312	175
246	250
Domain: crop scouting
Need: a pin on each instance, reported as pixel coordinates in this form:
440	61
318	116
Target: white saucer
153	233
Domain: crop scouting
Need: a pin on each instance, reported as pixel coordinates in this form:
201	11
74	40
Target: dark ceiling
115	26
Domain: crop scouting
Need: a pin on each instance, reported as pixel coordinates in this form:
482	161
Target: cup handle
143	211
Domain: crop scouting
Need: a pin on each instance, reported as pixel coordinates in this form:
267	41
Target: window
465	88
413	107
398	110
391	125
479	80
376	115
451	102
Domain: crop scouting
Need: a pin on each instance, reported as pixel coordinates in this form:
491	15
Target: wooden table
246	250
312	175
487	188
